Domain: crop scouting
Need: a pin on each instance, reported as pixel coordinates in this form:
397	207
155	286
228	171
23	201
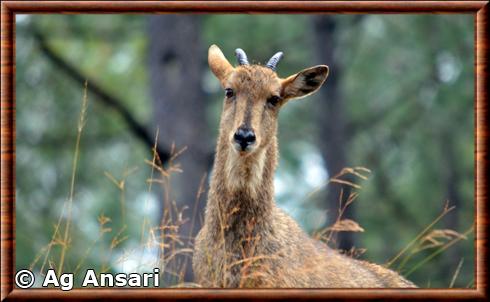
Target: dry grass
58	239
434	241
174	253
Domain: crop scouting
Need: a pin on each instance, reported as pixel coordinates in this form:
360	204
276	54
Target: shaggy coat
246	240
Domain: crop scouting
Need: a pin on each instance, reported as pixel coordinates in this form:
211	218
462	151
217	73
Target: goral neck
242	187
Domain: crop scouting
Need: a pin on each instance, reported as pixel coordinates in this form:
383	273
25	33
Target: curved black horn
241	57
274	60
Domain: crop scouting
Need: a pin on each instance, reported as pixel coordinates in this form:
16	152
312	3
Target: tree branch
103	96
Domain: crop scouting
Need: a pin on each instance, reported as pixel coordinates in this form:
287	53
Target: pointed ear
219	64
304	83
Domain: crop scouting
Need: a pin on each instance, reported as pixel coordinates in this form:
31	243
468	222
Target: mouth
243	149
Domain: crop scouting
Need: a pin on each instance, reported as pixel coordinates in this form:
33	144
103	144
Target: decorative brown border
8	10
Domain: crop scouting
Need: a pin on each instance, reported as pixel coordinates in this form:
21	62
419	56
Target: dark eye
273	100
229	92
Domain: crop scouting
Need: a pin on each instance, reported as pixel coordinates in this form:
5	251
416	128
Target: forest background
398	102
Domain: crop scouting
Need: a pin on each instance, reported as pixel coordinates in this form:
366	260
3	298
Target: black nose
244	137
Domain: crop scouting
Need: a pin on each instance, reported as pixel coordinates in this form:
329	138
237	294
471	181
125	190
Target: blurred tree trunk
332	125
179	112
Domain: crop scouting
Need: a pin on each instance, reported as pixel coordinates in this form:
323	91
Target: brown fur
246	240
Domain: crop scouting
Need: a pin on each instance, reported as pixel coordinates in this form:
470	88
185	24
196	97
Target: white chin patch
244	171
241	151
